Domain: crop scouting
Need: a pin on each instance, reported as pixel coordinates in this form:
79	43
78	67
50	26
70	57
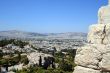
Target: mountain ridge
24	34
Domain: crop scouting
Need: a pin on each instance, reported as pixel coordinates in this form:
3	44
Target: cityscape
54	36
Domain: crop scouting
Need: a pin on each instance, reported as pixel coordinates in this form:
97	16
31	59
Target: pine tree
40	61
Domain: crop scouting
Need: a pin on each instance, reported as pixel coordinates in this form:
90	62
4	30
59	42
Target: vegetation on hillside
61	62
19	43
65	64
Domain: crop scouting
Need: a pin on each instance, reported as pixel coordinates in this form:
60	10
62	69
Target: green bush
13	41
65	66
25	61
3	61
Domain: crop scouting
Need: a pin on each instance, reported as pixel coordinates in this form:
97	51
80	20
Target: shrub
65	66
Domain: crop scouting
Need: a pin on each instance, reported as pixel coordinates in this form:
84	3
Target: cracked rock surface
99	34
94	57
80	69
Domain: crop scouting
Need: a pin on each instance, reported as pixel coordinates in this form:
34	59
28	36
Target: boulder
16	67
95	54
35	56
88	56
94	57
105	62
80	69
99	34
104	15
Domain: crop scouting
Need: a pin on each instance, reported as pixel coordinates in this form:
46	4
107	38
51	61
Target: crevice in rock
100	58
103	35
89	67
103	70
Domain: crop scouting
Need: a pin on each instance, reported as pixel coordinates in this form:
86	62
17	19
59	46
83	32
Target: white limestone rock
94	57
104	15
105	62
34	57
10	72
79	69
88	56
99	34
11	48
16	67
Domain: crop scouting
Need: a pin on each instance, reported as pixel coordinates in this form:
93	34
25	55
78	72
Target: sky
49	16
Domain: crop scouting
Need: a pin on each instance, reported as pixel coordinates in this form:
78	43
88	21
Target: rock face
94	57
104	14
10	48
99	34
80	69
34	57
16	67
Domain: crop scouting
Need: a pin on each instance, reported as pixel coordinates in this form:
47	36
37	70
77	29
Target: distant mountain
19	34
22	34
68	35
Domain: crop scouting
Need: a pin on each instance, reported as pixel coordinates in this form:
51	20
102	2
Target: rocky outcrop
16	67
10	48
104	15
99	34
80	69
94	57
35	56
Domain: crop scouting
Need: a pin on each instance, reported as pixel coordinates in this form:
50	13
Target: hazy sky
49	15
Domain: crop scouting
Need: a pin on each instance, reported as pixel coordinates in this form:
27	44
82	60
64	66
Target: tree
0	68
72	53
1	54
46	63
19	57
65	66
40	61
53	62
54	48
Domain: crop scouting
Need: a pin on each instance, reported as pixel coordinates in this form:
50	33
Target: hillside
27	35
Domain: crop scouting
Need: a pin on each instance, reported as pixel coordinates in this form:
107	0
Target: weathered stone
88	56
105	62
99	34
16	67
80	69
104	15
34	57
94	57
10	72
